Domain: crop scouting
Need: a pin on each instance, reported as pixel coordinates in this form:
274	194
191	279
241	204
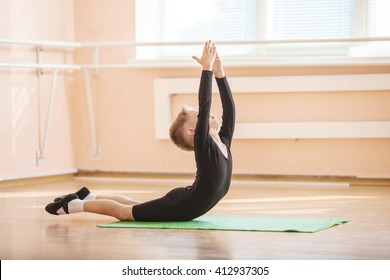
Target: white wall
24	97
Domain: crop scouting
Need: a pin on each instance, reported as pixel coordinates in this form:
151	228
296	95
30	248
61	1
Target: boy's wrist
219	74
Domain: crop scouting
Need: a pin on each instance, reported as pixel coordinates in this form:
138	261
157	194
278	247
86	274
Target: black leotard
214	170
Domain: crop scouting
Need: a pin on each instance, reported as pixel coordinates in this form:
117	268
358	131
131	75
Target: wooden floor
28	232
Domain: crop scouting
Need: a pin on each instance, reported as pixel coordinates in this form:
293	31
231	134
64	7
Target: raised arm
205	92
229	111
228	106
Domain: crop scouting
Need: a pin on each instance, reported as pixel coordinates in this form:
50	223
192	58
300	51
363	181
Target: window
378	25
314	19
250	20
379	18
184	20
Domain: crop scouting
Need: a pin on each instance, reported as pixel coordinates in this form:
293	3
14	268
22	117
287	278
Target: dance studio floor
28	232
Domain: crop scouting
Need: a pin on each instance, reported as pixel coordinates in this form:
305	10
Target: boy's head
182	130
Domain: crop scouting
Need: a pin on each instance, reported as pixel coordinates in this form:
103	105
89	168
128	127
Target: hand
217	67
208	56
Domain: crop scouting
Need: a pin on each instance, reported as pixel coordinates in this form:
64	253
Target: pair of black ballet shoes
62	201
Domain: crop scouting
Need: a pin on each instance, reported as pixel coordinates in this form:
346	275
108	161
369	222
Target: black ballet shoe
53	207
81	193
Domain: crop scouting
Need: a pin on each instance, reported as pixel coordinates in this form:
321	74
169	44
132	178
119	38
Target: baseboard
247	179
36	180
239	179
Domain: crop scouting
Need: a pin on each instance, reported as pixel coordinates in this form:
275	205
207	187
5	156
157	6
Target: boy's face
193	118
214	123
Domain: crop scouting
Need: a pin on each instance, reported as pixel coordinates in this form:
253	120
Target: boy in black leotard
192	130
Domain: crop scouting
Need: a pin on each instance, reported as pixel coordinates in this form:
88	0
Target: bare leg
118	198
109	208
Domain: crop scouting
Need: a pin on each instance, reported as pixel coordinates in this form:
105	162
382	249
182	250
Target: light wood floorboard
28	232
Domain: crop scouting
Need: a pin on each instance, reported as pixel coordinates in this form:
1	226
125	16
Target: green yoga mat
238	223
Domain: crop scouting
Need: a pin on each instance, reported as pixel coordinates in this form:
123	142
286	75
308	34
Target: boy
192	130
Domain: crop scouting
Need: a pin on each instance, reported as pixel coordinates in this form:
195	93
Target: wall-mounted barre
95	47
74	45
41	66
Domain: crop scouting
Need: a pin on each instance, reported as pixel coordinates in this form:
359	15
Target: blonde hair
177	132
